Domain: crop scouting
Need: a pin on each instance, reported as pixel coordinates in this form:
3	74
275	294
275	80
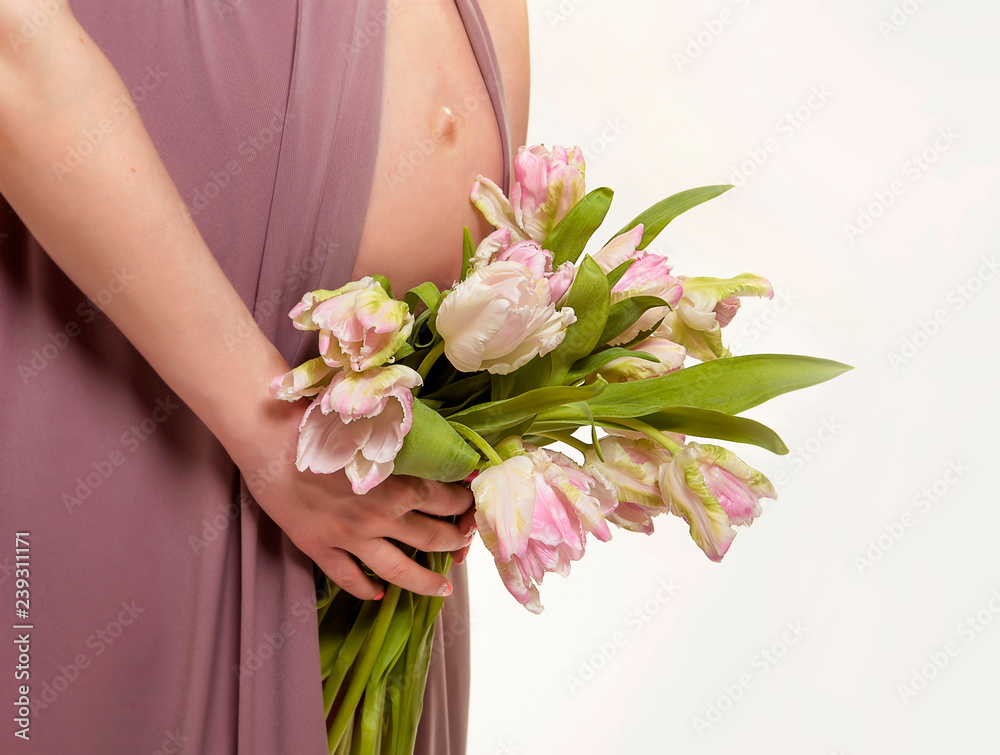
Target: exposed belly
438	132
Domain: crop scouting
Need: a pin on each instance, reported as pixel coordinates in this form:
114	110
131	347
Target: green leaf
706	423
427	293
518	429
729	385
656	218
616	275
642	336
461	389
625	313
349	649
468	252
537	373
567	240
403	352
384	283
433	450
495	416
594	362
589	296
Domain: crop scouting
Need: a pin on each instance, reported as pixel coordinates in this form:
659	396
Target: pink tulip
712	489
561	280
362	420
620	249
627	369
547	183
360	327
648	275
534	512
632	466
497	247
499	318
709	304
308	379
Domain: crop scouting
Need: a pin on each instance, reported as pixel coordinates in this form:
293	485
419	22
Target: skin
436	108
121	206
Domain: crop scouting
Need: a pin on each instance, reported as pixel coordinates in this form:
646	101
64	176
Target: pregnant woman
174	177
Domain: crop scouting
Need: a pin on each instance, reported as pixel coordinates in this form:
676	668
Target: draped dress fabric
169	613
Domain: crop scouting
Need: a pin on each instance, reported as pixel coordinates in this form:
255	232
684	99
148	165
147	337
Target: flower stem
650	432
430	359
363	669
569	440
477	440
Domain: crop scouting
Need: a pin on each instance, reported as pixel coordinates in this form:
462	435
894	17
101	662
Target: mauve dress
168	612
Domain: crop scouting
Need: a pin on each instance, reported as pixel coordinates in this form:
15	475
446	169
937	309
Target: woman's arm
119	211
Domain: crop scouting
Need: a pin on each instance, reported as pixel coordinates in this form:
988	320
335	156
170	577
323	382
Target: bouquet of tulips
535	342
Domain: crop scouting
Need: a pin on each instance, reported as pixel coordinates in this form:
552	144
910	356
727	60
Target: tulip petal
495	207
690	498
505	496
308	379
365	475
326	443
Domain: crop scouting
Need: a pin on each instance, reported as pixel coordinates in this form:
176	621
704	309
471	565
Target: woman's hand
321	514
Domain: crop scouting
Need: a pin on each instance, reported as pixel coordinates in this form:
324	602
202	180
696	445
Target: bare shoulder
508	24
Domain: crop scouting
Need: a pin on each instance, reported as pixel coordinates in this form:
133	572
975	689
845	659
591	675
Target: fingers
467	526
467	522
392	565
345	573
435	498
427	533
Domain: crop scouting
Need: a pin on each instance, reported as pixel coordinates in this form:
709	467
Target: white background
864	446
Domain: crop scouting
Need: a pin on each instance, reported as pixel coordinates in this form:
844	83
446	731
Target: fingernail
445	591
460	556
470	532
379	596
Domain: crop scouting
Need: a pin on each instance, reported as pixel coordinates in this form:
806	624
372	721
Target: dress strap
489	67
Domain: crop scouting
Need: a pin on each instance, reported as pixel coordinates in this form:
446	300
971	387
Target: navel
444	125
